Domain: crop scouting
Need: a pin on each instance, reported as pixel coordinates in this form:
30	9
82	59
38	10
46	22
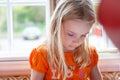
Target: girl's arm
95	73
37	75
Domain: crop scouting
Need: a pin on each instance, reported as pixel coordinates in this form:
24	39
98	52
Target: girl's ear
109	17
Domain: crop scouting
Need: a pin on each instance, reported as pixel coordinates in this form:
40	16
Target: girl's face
74	33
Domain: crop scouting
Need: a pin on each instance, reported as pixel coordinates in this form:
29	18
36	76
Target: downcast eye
69	34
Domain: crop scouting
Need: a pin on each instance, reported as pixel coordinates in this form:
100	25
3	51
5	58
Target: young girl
66	54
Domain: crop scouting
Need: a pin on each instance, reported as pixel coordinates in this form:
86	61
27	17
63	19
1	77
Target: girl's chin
70	50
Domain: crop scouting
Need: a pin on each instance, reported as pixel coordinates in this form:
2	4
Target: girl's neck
68	51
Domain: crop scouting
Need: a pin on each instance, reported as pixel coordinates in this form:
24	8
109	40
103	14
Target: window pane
98	36
28	26
3	29
2	0
28	0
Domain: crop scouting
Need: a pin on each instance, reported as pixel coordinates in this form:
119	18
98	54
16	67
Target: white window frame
9	4
21	66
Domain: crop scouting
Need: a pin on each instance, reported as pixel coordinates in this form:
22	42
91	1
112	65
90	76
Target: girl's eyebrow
75	33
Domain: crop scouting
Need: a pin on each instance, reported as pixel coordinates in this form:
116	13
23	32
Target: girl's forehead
76	22
76	26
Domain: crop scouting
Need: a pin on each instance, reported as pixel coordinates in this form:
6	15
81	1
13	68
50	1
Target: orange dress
38	61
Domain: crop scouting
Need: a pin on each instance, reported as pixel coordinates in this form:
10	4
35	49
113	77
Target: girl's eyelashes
83	35
70	34
73	35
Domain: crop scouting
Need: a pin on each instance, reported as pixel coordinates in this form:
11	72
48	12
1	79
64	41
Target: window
18	17
23	25
98	36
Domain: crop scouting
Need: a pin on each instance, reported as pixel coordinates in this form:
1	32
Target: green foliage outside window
23	15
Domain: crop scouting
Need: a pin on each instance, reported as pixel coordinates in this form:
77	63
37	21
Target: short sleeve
93	56
38	60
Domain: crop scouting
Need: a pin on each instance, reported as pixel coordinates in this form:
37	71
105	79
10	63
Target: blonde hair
66	10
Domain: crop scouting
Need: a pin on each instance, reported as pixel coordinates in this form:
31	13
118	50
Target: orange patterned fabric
38	61
106	76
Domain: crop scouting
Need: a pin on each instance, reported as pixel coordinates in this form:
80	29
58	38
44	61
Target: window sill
109	62
10	67
20	66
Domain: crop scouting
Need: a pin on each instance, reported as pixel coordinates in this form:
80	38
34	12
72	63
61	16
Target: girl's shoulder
93	56
38	59
93	50
42	48
39	51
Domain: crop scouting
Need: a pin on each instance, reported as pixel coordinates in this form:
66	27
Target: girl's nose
77	41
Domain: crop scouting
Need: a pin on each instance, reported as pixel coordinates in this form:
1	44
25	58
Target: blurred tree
32	13
28	14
